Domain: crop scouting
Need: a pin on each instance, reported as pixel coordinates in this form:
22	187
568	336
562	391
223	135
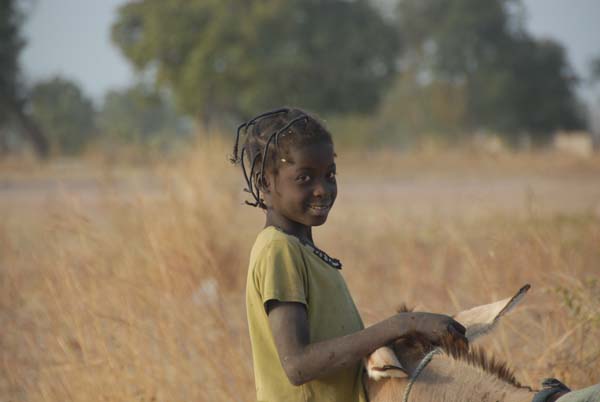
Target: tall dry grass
122	284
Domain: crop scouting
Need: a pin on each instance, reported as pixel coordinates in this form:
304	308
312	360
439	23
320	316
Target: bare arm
304	361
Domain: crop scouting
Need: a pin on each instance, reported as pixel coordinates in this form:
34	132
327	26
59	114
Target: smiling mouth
319	208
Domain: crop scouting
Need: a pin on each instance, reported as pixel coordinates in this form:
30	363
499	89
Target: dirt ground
441	193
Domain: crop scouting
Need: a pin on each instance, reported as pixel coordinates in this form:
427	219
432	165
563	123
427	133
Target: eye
303	178
331	175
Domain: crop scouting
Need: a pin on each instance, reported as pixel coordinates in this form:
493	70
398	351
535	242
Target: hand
435	327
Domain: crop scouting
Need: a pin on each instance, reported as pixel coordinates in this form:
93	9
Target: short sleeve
280	274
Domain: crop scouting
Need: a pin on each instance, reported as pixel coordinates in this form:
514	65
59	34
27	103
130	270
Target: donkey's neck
446	379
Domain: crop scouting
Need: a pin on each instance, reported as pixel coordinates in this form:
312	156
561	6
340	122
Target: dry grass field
126	282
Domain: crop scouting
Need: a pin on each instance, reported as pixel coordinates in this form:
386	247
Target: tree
12	99
509	81
594	79
595	69
64	112
139	114
11	44
239	57
541	91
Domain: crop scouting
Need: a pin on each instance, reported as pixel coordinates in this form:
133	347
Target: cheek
334	190
294	199
303	199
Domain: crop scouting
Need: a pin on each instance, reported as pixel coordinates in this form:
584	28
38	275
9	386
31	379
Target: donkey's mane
473	356
477	357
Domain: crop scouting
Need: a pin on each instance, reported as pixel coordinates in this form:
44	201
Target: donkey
411	369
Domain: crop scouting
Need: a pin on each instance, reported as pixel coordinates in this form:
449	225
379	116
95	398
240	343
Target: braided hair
269	137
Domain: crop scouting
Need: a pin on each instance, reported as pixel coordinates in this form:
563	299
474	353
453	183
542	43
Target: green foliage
470	65
13	118
412	110
140	115
238	57
595	69
541	89
64	113
11	44
464	65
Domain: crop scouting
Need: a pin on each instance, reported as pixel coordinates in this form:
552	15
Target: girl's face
304	189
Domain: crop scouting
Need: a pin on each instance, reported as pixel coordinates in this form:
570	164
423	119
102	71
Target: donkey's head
400	358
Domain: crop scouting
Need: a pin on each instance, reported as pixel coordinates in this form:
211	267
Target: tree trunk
31	130
3	141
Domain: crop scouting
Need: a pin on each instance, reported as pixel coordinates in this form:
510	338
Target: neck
469	383
449	380
302	232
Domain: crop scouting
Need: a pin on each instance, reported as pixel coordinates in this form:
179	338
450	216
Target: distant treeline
387	71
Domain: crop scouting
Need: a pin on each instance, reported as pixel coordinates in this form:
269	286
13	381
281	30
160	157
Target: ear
263	182
383	363
482	319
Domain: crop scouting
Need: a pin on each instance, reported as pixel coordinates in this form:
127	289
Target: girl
306	334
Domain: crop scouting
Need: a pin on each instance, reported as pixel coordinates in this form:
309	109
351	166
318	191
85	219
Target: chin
317	220
317	217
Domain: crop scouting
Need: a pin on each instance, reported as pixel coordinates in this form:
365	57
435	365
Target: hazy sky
72	38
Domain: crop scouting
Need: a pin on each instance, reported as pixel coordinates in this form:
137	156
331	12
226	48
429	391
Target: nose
323	189
318	190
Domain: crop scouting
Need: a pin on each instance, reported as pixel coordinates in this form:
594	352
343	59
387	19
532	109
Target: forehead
312	155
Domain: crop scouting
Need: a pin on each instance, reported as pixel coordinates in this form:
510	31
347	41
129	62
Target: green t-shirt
282	268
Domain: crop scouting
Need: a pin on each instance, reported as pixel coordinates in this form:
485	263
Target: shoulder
271	240
277	267
271	233
276	250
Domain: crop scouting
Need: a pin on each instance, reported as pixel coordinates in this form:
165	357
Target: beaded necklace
333	262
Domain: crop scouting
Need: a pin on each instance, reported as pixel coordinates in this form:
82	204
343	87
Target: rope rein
424	362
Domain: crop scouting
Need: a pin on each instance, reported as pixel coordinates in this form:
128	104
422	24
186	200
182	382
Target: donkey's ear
482	319
383	363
